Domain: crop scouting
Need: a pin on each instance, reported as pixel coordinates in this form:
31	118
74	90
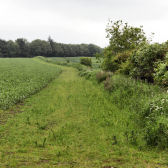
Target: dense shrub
125	67
86	61
130	53
107	61
161	72
115	62
144	59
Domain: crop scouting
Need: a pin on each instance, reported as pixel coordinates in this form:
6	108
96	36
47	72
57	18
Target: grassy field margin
71	123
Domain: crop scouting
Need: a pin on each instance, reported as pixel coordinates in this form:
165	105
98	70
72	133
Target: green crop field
22	77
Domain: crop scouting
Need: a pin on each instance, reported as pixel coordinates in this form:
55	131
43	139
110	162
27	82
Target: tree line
22	48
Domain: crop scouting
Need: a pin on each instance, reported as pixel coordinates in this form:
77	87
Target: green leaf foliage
143	61
22	48
161	72
123	40
123	37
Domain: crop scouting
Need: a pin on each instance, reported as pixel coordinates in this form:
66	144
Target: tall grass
145	104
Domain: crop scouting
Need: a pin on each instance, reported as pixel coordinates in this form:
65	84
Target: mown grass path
70	123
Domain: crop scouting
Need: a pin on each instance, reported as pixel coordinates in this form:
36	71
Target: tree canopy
22	48
123	40
123	37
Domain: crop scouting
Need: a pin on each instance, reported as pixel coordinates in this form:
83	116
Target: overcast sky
79	21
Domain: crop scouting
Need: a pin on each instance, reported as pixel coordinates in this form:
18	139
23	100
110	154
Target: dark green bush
161	72
113	62
108	56
125	68
144	59
86	61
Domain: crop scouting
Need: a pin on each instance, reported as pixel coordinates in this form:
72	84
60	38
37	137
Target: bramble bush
144	59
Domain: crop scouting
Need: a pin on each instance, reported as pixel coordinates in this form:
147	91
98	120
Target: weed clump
155	121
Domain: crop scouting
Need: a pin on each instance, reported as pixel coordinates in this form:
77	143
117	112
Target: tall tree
3	48
40	48
12	49
52	45
123	37
23	47
123	40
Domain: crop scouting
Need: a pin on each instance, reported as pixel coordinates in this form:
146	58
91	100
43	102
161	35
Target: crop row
21	77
